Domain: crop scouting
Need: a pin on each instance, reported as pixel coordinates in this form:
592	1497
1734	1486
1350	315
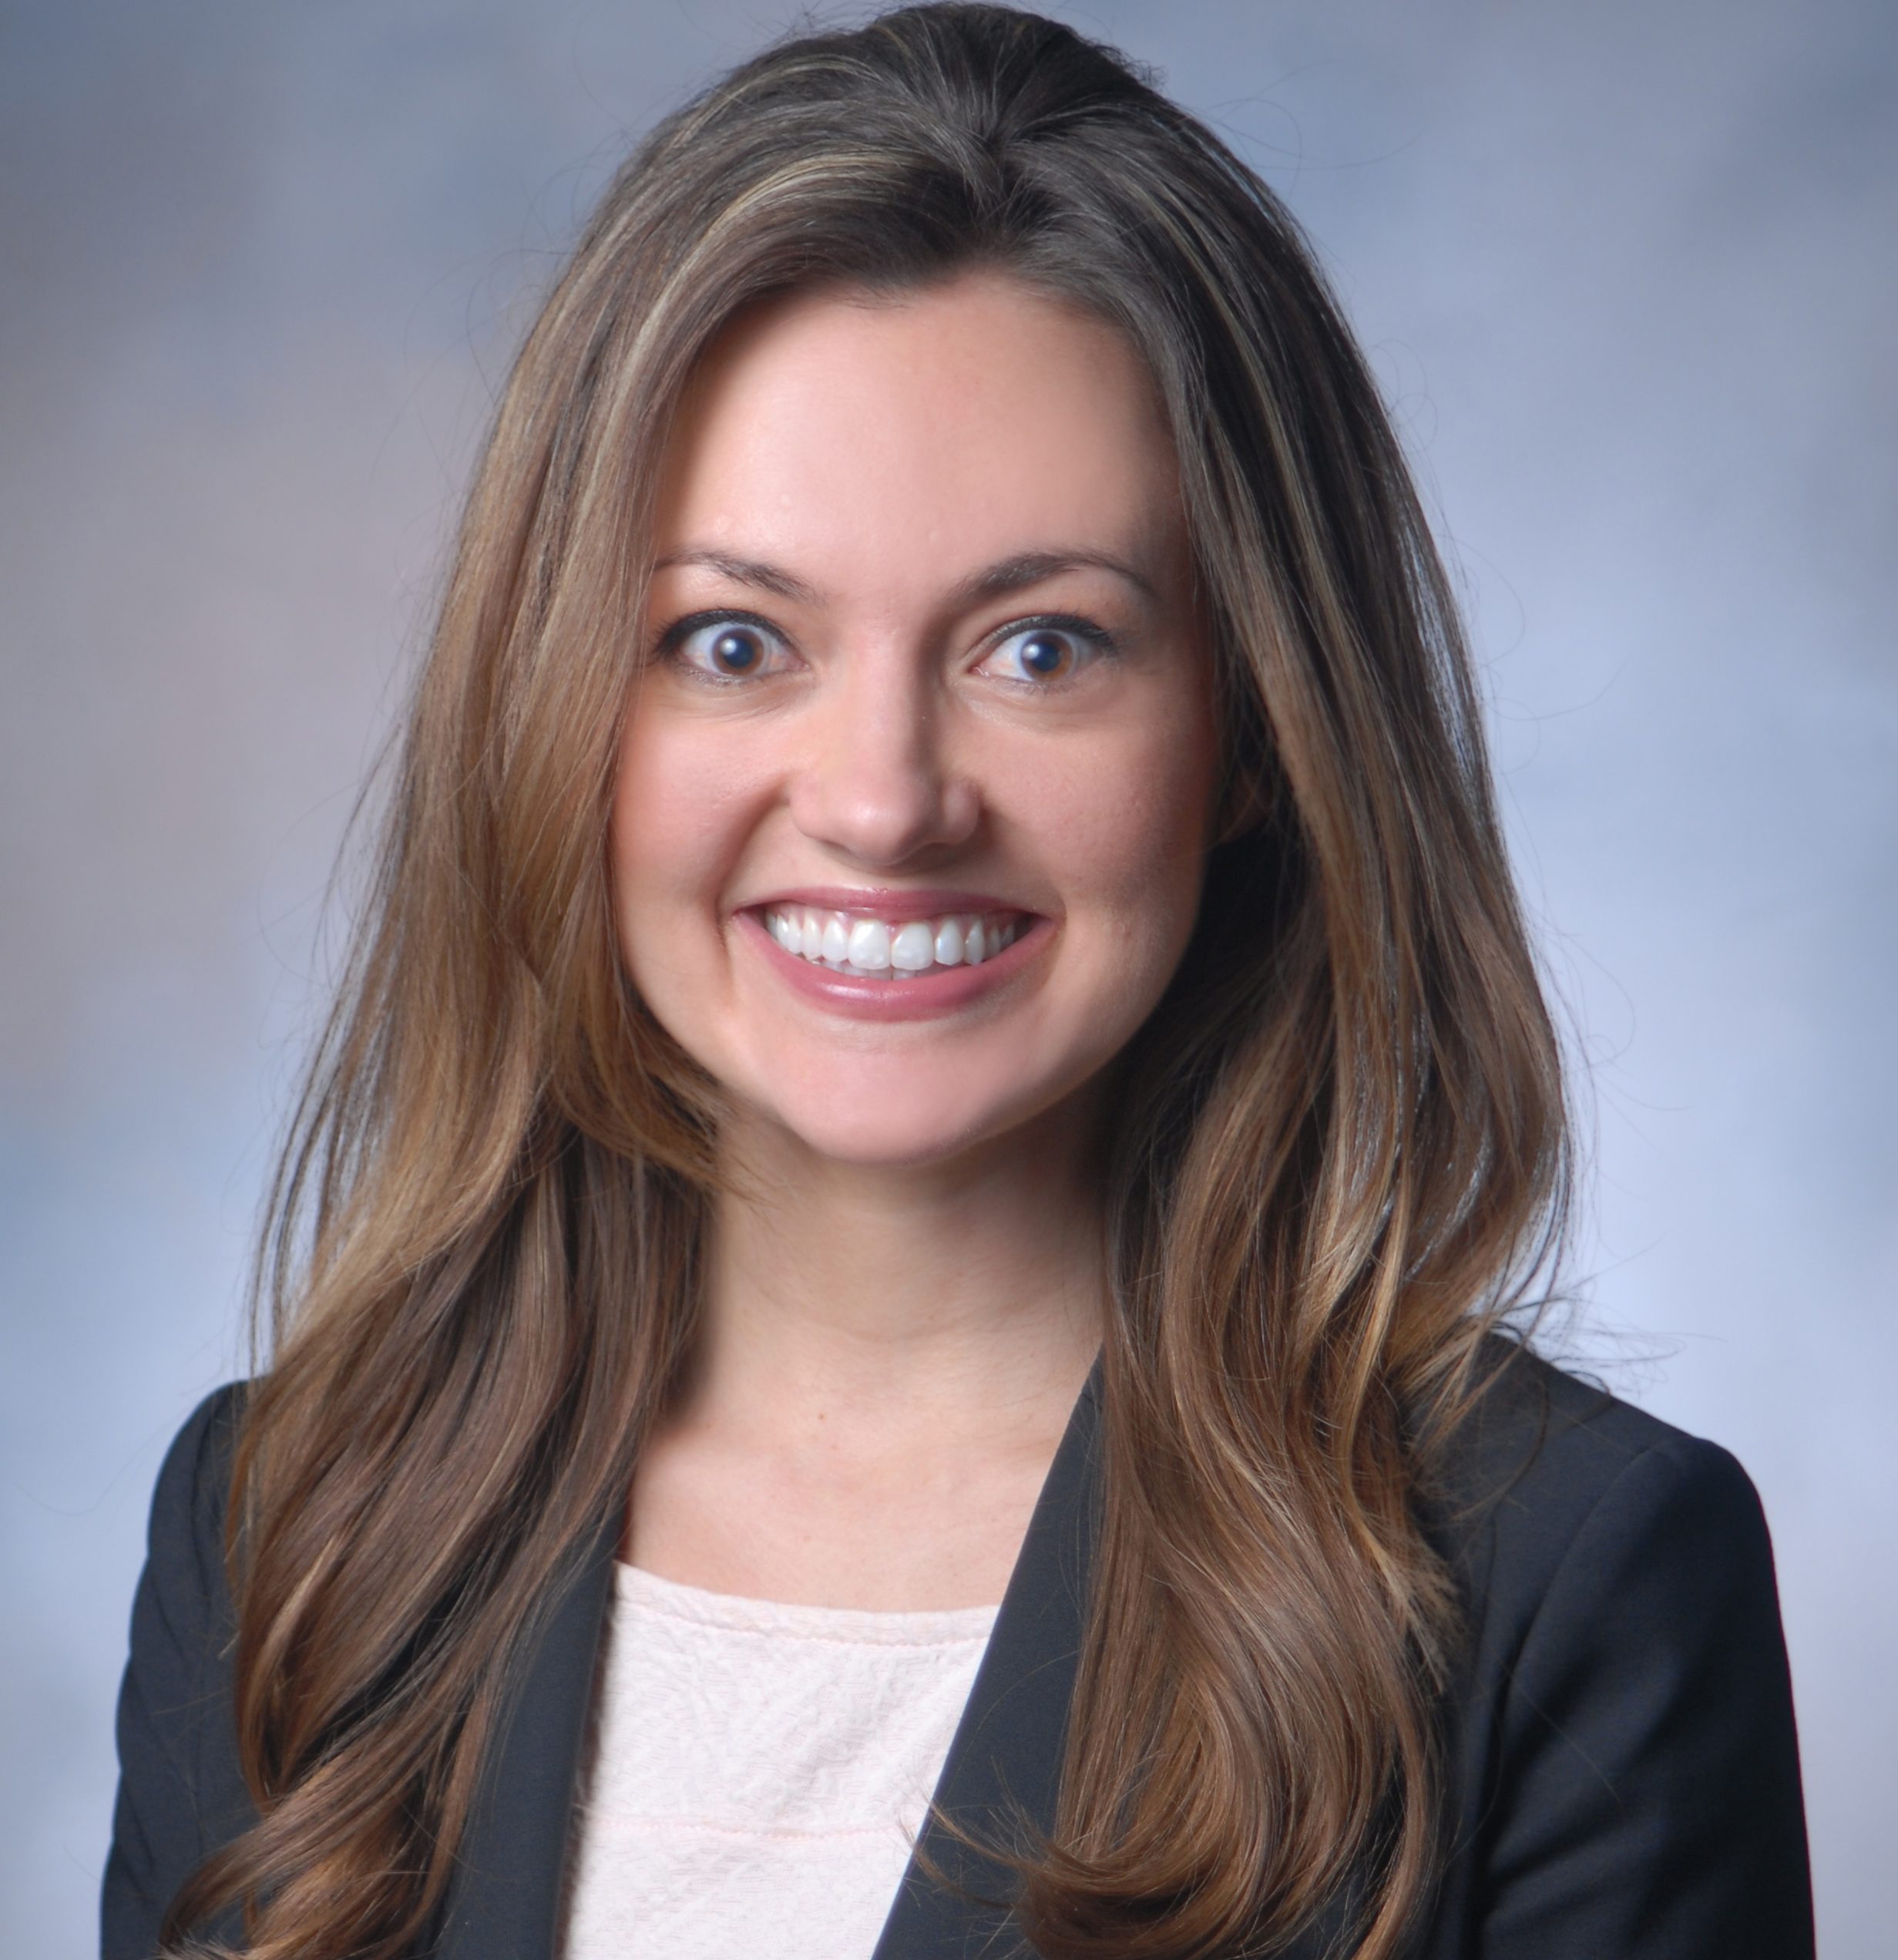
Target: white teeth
913	947
875	947
870	945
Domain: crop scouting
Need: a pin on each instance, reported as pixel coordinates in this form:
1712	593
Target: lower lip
926	997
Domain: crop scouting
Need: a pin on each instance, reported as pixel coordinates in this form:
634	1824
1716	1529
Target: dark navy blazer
1623	1775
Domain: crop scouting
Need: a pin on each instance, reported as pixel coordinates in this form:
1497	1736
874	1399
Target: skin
904	1290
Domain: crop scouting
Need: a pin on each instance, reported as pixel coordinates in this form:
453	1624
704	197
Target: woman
943	1023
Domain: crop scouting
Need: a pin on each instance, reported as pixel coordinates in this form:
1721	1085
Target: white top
759	1772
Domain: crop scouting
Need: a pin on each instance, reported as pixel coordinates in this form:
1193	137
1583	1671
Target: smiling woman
889	1295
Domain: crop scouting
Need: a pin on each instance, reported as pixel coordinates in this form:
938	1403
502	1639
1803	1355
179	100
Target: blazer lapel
504	1901
1004	1763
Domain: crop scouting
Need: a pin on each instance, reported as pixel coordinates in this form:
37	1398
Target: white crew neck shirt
759	1772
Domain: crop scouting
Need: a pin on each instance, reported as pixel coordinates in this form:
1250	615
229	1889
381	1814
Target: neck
958	1302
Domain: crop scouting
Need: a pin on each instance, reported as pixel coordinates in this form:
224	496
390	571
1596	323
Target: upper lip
882	901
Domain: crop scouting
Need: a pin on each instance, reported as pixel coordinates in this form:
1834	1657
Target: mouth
895	956
873	946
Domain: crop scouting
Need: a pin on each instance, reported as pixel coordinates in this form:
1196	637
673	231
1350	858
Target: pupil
1042	654
735	651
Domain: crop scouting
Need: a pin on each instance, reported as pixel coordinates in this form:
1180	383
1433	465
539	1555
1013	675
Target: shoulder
182	1610
1543	1465
192	1492
1623	1763
182	1621
182	1606
181	1790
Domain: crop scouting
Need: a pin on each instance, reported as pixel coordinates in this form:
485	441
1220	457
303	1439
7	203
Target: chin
878	1132
872	1142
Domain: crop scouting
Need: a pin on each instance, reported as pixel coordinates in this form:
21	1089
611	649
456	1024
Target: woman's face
916	786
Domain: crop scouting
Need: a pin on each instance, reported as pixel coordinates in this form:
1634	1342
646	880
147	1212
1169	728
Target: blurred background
1628	273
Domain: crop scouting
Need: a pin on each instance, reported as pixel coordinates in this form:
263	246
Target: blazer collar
1003	1768
1004	1763
504	1900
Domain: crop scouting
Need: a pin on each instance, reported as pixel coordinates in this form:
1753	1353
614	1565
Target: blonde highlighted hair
1340	1155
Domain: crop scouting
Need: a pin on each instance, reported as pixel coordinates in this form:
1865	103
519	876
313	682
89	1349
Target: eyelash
1097	638
676	635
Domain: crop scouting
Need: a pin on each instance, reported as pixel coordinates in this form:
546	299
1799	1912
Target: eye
1043	651
725	647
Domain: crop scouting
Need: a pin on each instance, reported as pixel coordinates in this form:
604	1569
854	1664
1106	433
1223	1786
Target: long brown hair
1341	1152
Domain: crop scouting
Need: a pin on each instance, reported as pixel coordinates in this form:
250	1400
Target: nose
874	783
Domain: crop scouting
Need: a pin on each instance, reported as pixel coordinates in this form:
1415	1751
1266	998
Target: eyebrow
1006	575
744	571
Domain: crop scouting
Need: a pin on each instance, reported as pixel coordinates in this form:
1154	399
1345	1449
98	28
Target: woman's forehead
959	424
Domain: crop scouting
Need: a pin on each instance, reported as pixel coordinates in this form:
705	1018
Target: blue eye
726	649
1048	652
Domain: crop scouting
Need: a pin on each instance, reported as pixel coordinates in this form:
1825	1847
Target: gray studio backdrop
1626	270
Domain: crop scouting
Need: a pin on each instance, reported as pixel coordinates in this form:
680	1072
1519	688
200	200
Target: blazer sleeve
1647	1804
180	1793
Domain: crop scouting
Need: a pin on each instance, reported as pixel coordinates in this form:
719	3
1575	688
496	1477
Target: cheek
1130	823
680	812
